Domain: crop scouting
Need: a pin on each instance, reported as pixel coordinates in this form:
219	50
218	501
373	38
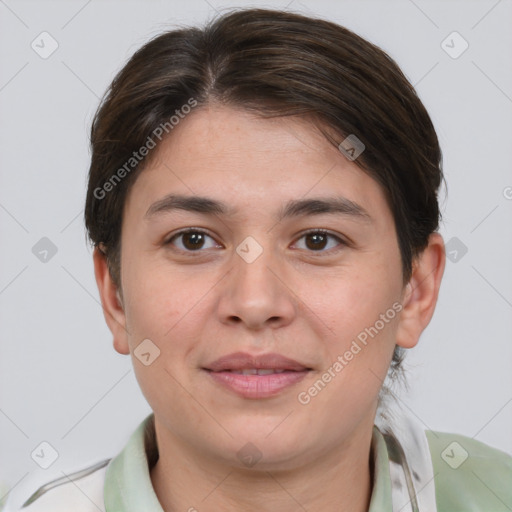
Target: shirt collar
128	486
381	490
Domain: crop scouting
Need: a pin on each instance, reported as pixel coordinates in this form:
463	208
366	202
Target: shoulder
469	475
81	491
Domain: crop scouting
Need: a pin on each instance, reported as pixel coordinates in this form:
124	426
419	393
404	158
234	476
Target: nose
256	293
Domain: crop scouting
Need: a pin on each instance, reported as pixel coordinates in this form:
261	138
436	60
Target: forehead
251	164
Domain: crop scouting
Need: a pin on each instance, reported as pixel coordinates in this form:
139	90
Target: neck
339	480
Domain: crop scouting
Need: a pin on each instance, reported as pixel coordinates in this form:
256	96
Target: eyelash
342	243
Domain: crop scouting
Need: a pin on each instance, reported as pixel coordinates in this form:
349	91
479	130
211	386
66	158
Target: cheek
353	302
168	319
171	311
157	299
362	315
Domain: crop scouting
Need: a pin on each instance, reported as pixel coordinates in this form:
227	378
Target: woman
262	201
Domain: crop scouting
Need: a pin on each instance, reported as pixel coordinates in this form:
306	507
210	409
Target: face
250	273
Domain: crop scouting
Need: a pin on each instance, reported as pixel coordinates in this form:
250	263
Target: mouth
258	371
242	361
256	377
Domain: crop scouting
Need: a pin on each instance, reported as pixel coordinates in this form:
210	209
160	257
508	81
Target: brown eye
316	241
192	240
319	240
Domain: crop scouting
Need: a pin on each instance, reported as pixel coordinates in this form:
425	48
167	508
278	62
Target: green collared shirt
482	482
128	486
468	476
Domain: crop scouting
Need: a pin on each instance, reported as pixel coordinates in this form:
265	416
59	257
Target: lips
256	377
257	371
240	361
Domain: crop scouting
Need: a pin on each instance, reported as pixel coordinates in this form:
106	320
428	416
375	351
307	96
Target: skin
297	299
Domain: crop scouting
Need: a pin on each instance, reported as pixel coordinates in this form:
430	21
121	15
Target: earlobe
421	293
111	302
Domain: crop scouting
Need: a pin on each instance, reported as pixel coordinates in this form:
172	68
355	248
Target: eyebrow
294	208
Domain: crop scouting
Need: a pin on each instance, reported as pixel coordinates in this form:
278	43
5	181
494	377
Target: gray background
60	379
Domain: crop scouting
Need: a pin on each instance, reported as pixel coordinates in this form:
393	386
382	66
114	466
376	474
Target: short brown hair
273	63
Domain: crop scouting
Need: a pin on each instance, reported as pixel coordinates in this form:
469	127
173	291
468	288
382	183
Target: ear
111	303
421	292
